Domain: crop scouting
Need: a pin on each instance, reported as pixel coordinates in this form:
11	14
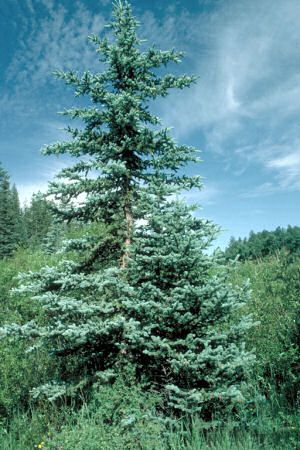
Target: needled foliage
145	291
275	303
37	220
177	311
20	371
11	220
124	414
265	243
21	226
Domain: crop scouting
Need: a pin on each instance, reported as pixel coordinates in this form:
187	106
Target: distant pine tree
20	232
10	216
38	219
53	238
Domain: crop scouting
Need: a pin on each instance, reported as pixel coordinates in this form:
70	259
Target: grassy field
125	416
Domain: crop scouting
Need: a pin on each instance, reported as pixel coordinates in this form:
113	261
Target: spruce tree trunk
129	228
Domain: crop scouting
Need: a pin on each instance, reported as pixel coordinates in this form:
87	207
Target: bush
19	371
119	416
275	303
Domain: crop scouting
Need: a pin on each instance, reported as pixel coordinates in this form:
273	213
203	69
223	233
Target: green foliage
118	141
266	424
122	416
177	310
11	220
19	227
19	223
265	243
280	433
135	332
38	220
149	291
275	303
20	371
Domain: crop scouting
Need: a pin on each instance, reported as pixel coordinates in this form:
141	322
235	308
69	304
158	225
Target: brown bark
129	227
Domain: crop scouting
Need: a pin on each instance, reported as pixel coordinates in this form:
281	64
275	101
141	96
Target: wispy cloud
289	169
245	107
51	37
58	40
246	54
206	196
285	168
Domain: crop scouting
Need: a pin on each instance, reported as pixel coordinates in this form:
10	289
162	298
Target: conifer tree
178	329
146	292
10	216
19	225
53	238
37	219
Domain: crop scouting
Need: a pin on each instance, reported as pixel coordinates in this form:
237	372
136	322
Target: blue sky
244	113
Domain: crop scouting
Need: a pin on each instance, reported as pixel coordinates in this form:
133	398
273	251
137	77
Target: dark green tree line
27	226
265	243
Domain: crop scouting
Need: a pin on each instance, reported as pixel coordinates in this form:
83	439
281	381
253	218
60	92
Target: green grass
90	434
124	416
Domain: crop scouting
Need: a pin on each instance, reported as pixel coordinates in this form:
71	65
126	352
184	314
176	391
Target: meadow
124	415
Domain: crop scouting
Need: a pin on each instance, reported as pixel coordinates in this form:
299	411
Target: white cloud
56	40
289	162
246	103
282	162
248	95
205	196
288	169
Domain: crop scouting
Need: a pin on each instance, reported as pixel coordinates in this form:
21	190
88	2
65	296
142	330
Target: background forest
120	328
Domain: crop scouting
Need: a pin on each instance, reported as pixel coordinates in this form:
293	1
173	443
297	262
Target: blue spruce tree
146	292
179	311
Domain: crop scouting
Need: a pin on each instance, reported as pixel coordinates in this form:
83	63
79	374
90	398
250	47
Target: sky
243	114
